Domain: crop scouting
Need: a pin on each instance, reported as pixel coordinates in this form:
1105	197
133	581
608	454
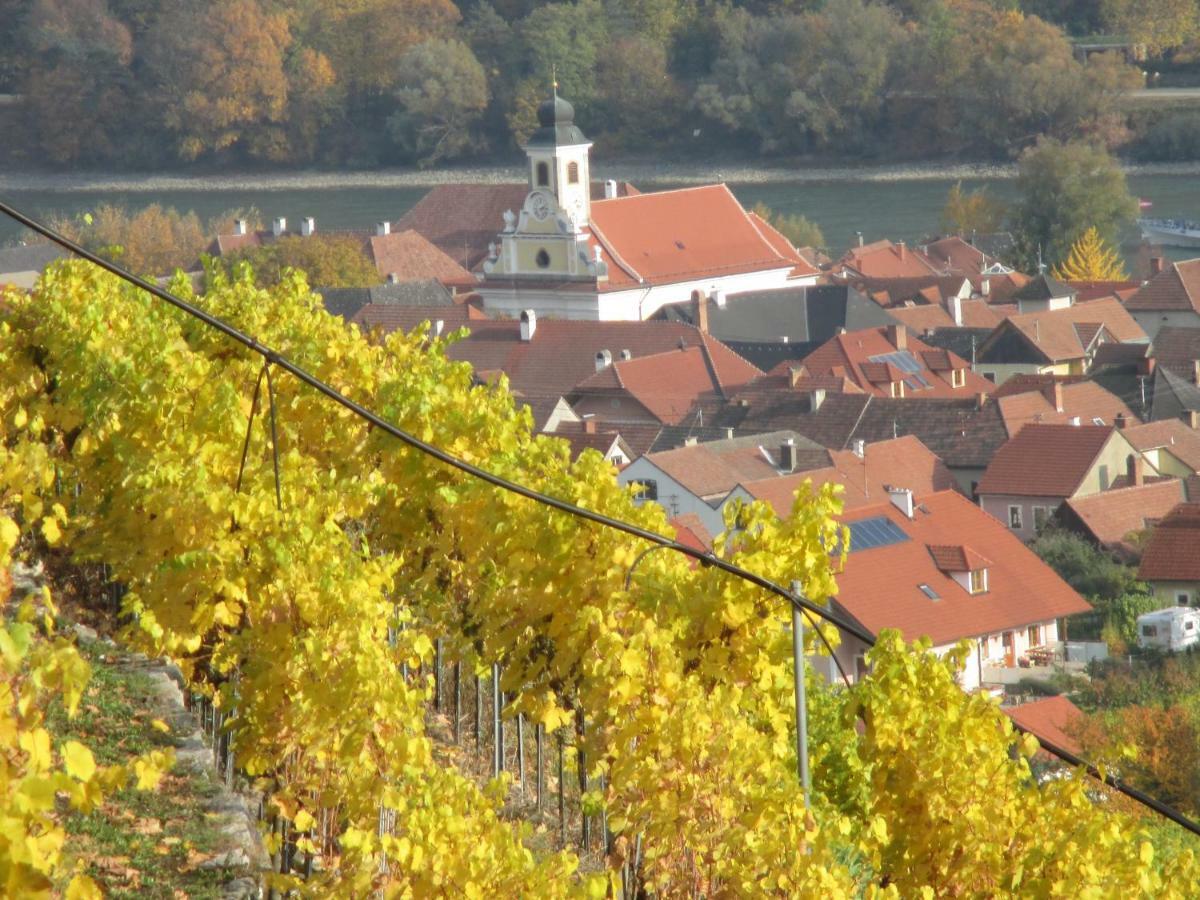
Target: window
897	388
1104	477
1014	518
1035	635
542	259
543	174
990	376
929	592
1040	515
979	581
1183	598
573	173
860	667
1149	631
1189	625
958	377
646	489
1096	420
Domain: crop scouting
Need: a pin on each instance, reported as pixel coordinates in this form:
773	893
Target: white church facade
564	255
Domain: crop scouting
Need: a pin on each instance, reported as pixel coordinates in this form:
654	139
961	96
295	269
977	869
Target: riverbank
638	172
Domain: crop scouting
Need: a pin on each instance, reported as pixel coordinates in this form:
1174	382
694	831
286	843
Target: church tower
558	160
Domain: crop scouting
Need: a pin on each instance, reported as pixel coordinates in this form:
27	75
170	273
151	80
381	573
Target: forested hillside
370	82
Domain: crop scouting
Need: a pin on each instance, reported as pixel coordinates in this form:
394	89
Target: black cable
706	558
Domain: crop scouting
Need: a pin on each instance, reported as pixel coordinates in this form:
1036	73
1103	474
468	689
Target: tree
153	241
315	101
968	212
1091	259
442	91
1159	24
796	228
219	73
329	261
640	103
1066	188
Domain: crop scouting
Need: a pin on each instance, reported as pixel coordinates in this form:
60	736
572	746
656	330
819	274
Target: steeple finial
554	78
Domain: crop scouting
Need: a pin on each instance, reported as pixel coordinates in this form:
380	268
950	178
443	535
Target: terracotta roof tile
1175	288
1171	553
883	259
1178	349
957	558
1055	333
880	586
1044	460
1168	435
1111	515
411	257
1052	719
1096	290
690	530
1085	399
716	467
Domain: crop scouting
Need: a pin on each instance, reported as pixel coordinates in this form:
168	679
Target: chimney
728	433
1054	393
897	336
903	251
787	455
393	278
610	189
239	226
1074	420
603	360
859	235
597	254
439	326
902	499
981	401
985	287
1193	419
307	226
528	324
1196	371
625	354
1156	265
589	424
955	304
718	296
1121	422
279	226
815	399
690	441
700	305
859	446
1136	470
795	373
383	228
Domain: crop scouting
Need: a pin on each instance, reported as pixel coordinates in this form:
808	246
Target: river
900	206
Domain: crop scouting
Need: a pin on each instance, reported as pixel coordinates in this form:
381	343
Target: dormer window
543	175
958	378
897	388
979	581
573	173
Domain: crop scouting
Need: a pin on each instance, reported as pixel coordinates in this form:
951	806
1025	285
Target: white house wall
672	496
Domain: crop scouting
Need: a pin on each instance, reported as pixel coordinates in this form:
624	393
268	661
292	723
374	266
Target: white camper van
1170	629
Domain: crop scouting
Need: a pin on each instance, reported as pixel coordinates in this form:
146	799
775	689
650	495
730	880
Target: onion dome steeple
556	121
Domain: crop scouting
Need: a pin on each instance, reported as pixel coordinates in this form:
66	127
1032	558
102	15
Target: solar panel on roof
907	363
878	531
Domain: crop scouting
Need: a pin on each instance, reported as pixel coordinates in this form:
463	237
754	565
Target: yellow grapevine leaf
79	761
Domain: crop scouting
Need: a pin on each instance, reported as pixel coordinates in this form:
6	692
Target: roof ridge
607	245
762	237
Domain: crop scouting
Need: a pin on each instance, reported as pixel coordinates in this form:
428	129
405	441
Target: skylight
929	592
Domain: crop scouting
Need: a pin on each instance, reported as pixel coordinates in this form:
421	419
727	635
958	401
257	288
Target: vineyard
315	580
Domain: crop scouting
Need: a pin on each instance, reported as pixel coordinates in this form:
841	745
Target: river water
898	208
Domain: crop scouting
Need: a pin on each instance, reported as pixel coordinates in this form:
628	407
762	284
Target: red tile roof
957	558
1095	290
880	586
670	384
1064	334
1052	719
1111	515
1085	399
1044	460
853	352
691	233
901	462
883	259
1169	435
690	530
411	257
784	247
715	467
1175	288
1171	553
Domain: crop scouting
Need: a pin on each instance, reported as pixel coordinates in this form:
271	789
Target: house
1061	341
622	258
1050	400
1171	298
20	266
668	388
938	566
1043	294
1170	562
889	362
587	434
867	472
960	257
951	312
1170	446
883	259
1113	518
1043	465
696	479
1174	397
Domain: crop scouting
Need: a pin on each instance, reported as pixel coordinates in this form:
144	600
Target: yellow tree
1091	259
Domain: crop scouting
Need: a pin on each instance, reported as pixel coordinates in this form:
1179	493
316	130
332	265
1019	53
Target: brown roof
1177	348
391	317
1044	460
1052	719
957	558
1175	288
1095	290
901	462
690	233
1064	334
716	467
1169	435
880	586
1085	399
1171	553
670	384
861	354
1111	515
975	314
411	257
883	259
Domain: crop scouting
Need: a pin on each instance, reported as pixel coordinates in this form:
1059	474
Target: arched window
573	173
543	259
543	174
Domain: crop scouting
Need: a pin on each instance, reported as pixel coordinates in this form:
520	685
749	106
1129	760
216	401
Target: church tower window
573	173
543	175
543	259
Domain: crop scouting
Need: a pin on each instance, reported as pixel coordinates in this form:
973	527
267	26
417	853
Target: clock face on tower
540	205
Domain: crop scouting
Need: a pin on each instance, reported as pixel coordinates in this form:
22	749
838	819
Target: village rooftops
883	259
1175	289
1167	436
1060	335
1045	460
901	581
1111	516
1178	349
1171	553
1047	400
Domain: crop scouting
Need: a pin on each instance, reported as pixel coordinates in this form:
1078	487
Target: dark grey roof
1008	344
963	341
1174	397
29	258
345	302
766	355
997	244
1177	348
1043	287
556	118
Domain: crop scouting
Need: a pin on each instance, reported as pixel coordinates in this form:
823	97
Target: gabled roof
716	467
1083	399
411	257
1050	719
883	259
667	237
876	358
1173	396
1061	335
958	256
1175	289
670	384
1111	515
1171	553
1045	460
957	558
1178	349
975	314
1170	436
1043	287
879	586
901	462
